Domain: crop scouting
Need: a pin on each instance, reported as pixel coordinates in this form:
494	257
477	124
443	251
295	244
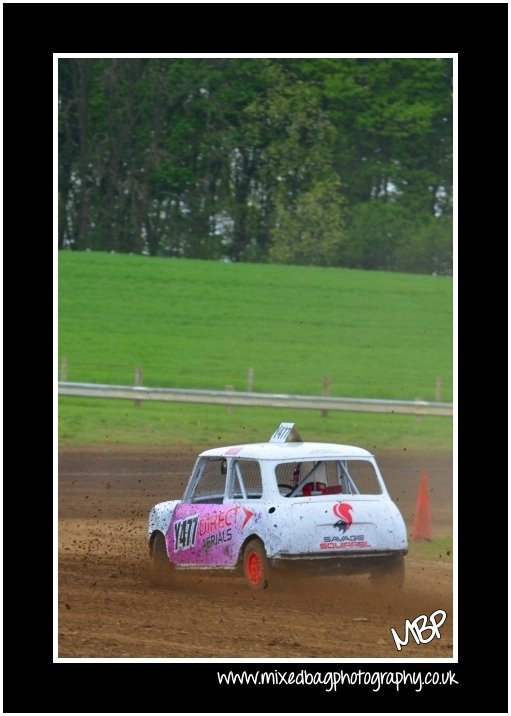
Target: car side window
246	482
209	486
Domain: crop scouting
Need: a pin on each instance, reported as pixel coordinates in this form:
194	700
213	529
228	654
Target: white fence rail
268	400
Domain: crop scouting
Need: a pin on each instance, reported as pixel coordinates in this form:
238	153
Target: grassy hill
204	324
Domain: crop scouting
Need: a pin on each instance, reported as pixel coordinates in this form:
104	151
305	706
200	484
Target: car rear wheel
255	565
390	575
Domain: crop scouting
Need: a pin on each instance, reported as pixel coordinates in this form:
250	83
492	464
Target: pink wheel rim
254	568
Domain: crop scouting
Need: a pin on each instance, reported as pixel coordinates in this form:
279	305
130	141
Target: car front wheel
160	565
255	565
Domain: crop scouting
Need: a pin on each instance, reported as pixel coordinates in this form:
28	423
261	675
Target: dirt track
109	608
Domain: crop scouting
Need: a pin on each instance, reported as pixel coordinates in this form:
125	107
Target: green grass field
201	324
436	548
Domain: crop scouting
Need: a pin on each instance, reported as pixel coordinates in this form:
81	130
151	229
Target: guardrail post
230	409
327	382
63	369
438	389
139	381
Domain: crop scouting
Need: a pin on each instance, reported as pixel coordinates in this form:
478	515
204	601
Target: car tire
161	568
390	575
256	567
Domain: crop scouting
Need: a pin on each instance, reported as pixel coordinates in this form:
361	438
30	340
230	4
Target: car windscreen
315	477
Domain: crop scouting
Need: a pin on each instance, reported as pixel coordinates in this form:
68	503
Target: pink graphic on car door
207	534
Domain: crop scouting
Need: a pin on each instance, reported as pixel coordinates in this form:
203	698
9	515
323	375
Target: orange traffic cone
422	523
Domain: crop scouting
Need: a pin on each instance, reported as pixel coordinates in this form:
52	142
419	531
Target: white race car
283	503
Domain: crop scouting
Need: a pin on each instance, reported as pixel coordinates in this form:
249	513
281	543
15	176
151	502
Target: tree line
333	162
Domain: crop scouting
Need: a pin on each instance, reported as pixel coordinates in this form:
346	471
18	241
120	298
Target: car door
208	528
200	530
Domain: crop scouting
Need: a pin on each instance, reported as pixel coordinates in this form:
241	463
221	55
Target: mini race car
284	503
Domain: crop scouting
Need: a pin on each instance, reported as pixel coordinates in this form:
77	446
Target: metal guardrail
268	400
